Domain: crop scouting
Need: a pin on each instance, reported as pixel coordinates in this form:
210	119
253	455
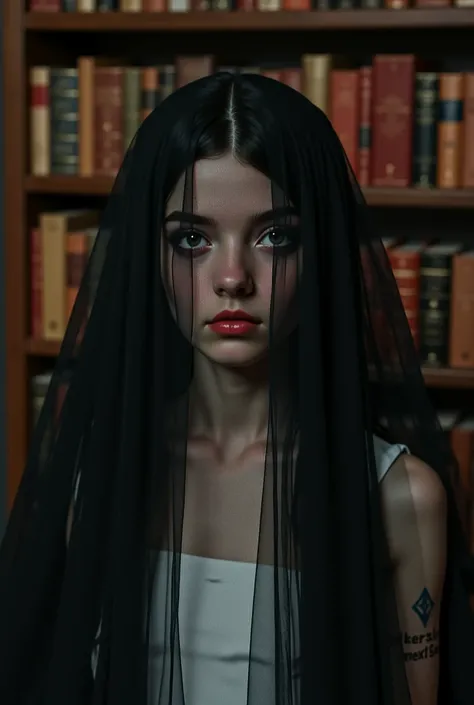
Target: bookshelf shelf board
449	378
86	185
434	377
420	198
396	197
348	20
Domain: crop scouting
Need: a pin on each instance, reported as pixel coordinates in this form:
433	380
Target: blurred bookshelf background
396	77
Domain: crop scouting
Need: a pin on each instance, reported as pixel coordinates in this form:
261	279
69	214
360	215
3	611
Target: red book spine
36	284
295	5
45	5
293	77
276	74
345	112
406	270
392	120
154	6
109	137
365	127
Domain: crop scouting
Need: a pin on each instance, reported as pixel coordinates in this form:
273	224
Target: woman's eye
189	240
278	237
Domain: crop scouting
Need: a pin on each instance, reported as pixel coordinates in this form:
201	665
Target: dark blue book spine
425	130
64	97
107	5
69	5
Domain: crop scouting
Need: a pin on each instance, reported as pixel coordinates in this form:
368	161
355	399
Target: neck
230	403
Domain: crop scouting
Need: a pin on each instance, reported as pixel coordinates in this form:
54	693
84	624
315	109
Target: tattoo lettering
428	641
423	607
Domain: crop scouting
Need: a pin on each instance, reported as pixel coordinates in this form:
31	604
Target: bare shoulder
414	504
412	484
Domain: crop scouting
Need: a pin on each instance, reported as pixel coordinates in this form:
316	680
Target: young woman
246	498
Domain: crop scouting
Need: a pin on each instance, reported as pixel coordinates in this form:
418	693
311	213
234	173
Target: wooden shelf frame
333	20
390	197
445	378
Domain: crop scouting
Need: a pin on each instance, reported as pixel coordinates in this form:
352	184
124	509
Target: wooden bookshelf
390	197
439	378
346	20
45	38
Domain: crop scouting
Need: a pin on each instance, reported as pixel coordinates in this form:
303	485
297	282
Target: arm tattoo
427	642
423	607
423	646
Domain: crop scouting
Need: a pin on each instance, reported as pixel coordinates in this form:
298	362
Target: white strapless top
215	617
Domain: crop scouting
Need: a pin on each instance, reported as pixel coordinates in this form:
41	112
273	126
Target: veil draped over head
96	619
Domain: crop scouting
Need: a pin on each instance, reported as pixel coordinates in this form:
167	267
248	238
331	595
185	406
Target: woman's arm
414	504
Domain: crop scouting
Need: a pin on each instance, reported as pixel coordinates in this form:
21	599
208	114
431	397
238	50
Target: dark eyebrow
258	219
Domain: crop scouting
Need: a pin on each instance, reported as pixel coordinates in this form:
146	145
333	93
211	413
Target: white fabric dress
215	616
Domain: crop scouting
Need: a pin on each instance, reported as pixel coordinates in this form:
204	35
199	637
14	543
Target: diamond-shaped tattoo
423	607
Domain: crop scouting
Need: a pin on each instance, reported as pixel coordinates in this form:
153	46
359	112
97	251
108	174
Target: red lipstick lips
233	323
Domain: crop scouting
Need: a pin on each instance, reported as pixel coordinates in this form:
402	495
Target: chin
234	353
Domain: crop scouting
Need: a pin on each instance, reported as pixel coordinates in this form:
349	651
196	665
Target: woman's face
226	257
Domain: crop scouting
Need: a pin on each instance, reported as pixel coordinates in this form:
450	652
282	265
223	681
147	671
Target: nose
233	277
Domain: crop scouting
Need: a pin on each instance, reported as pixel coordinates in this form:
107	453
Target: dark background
3	501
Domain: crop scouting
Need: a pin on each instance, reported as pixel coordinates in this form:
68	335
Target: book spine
154	6
190	68
435	300
297	5
106	5
461	342
167	80
40	125
130	5
77	256
433	3
45	6
69	6
150	90
425	130
109	139
468	166
268	5
179	5
132	96
365	128
36	284
64	121
449	149
86	67
317	70
345	112
246	5
406	270
274	74
86	6
53	229
392	124
293	77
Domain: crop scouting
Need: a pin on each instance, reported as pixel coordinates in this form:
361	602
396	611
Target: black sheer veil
96	620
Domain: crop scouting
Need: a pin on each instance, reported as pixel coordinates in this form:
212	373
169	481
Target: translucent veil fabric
92	616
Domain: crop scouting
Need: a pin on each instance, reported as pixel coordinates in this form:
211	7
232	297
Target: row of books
400	126
59	252
219	5
436	284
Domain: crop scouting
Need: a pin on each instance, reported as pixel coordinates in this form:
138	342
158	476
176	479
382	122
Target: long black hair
96	619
